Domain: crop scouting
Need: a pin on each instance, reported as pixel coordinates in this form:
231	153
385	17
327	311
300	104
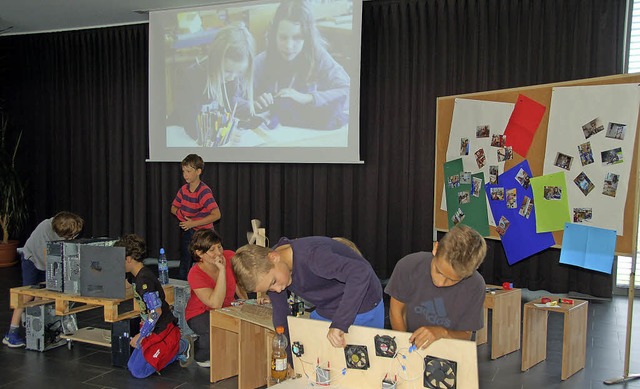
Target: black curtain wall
80	98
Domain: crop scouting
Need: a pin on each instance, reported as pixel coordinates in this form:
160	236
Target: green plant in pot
13	202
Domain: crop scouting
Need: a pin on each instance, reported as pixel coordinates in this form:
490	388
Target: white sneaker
204	363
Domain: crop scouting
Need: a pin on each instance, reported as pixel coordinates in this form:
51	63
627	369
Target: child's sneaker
187	355
204	363
13	340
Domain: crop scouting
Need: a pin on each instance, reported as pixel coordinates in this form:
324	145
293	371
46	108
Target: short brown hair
135	247
202	240
193	160
67	225
348	243
464	248
249	264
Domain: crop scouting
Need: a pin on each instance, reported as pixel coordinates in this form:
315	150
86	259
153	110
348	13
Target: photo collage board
587	165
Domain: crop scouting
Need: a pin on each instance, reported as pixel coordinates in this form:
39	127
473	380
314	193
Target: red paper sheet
523	123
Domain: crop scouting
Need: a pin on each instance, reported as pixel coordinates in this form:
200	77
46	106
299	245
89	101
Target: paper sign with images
588	247
473	124
463	206
591	137
551	202
516	225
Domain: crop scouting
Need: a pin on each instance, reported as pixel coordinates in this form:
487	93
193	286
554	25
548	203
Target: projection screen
256	81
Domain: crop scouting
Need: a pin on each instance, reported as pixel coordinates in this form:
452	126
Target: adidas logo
434	312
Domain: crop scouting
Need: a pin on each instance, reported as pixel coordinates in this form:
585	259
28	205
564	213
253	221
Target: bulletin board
536	154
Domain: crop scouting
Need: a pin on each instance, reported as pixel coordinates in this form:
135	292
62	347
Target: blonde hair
236	43
348	243
251	262
67	225
464	248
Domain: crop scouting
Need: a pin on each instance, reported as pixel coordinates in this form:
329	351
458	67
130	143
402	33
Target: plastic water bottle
279	356
163	268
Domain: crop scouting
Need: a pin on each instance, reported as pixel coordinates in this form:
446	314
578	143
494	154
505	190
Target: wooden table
505	322
574	338
240	345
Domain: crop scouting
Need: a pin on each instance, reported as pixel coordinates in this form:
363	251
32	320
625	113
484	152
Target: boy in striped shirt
194	206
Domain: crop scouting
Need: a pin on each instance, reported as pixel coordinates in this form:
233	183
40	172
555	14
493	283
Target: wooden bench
64	302
574	337
505	306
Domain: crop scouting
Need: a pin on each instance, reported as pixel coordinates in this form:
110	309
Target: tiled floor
87	366
604	360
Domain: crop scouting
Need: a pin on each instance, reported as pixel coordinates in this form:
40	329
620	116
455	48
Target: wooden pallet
19	298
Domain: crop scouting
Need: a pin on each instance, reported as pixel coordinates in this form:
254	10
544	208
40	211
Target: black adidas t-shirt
458	307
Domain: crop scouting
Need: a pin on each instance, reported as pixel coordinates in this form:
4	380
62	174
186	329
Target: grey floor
87	366
606	335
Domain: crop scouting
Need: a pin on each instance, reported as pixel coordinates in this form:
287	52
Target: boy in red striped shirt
194	206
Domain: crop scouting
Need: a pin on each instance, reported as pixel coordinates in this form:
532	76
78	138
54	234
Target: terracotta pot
8	253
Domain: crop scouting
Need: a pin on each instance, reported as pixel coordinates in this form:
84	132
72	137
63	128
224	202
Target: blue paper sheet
588	247
519	239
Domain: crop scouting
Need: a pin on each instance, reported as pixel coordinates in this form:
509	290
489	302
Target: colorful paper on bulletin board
466	202
551	202
523	123
589	247
519	239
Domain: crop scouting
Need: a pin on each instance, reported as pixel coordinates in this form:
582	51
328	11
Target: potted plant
13	205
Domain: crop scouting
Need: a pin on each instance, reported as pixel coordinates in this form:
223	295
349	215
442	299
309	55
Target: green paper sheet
551	200
462	205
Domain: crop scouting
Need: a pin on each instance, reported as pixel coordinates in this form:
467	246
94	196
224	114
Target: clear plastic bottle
163	268
279	356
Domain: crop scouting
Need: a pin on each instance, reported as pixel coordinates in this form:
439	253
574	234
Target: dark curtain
81	99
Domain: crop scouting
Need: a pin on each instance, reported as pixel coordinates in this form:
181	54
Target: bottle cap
161	250
280	330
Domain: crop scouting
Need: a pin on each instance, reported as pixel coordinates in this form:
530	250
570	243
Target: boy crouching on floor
159	342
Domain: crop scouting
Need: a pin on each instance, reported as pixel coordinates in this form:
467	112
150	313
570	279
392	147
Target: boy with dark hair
323	271
63	226
159	343
194	206
440	294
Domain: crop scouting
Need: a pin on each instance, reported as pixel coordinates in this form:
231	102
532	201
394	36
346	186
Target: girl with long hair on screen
296	78
220	88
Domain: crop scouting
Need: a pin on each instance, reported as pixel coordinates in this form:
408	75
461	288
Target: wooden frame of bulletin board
625	244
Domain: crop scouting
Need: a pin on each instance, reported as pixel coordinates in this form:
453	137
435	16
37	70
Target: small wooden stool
505	323
574	338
